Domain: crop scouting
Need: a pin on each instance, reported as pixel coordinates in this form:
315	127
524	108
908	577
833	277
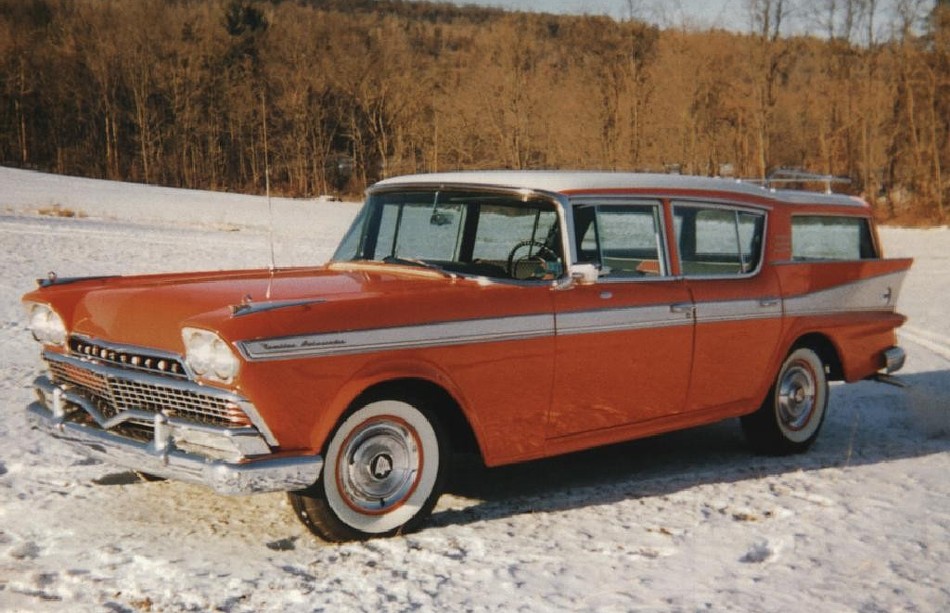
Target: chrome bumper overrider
163	456
894	359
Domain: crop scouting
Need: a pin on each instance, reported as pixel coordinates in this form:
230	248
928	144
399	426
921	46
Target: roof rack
794	175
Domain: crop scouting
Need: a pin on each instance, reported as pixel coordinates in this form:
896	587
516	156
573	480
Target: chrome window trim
699	203
723	202
610	200
559	201
869	226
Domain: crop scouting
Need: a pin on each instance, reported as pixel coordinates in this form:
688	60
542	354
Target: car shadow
867	423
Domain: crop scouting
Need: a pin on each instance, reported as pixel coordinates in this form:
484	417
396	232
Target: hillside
333	95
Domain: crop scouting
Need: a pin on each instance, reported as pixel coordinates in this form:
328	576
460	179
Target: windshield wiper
393	259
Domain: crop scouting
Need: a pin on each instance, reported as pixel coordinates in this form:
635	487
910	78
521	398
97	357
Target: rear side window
822	237
716	241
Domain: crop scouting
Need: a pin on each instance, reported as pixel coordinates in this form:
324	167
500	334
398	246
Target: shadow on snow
867	423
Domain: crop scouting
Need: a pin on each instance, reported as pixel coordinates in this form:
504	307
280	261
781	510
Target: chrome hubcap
797	396
379	466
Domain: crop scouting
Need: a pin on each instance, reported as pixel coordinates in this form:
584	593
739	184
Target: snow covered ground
686	522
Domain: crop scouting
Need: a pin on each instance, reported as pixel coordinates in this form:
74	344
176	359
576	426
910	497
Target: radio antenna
270	204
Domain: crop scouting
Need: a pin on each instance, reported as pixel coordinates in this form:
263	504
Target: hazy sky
802	16
727	14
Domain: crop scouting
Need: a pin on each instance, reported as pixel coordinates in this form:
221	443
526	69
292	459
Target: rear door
737	301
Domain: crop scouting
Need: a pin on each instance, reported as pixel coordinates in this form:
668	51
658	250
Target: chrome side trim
521	327
737	310
621	319
877	294
267	474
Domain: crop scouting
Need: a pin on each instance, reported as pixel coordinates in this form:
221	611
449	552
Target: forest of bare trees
184	92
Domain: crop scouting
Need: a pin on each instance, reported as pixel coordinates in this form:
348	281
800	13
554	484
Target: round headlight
198	353
46	325
208	355
223	362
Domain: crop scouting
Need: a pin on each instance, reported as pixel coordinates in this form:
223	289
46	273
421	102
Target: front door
624	343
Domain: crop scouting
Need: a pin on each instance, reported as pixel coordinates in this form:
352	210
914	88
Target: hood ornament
247	306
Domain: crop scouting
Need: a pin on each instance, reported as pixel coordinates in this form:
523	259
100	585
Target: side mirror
585	274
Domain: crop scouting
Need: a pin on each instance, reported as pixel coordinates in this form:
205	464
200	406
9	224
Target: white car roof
581	181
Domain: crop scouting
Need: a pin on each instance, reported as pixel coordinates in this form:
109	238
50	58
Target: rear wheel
794	410
383	471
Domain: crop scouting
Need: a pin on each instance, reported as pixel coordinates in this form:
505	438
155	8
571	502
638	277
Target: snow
685	522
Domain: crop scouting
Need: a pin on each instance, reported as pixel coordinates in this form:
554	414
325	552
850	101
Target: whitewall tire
383	471
794	410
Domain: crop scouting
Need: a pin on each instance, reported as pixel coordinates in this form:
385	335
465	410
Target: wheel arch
446	405
436	398
826	349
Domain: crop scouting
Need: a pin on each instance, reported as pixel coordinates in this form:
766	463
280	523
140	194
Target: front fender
382	371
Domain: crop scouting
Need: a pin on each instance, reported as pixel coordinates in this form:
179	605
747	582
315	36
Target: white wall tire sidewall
809	430
402	514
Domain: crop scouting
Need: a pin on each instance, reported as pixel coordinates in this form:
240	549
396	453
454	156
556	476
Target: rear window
821	237
716	241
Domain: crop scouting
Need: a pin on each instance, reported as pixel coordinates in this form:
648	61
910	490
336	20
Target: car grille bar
126	357
114	390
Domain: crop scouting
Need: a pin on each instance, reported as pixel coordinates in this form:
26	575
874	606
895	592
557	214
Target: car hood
150	311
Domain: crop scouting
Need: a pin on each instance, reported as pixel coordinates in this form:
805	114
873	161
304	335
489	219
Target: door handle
768	302
683	308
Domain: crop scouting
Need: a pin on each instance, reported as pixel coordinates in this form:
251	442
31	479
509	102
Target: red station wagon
522	314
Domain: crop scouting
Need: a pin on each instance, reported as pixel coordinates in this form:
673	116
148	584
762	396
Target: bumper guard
161	457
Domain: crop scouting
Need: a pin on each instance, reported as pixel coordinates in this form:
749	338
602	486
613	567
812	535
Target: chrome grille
133	358
114	393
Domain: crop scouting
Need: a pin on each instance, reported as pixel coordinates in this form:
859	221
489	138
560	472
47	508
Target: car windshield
488	234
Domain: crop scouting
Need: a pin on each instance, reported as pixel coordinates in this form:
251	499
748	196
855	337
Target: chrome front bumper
163	456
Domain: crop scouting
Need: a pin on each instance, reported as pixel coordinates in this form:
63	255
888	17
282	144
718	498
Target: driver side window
522	240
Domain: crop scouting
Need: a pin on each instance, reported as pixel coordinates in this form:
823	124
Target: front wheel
383	471
791	416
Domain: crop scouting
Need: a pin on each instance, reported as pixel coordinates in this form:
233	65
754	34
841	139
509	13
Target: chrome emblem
381	466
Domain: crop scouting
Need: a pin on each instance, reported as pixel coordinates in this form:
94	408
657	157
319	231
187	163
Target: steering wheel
543	254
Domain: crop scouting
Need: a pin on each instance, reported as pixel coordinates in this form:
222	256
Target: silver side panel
616	320
874	294
404	337
738	310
